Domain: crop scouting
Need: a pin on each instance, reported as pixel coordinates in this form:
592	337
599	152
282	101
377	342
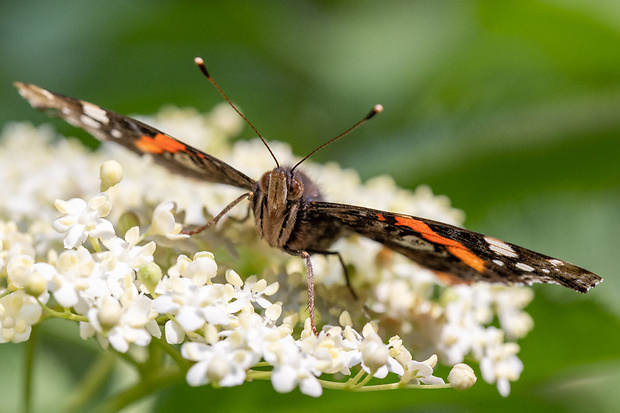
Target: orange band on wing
158	144
454	247
467	257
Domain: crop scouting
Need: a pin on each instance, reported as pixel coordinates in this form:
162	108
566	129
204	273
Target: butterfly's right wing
456	254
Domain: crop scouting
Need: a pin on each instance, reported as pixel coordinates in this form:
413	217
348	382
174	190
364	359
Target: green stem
393	386
28	378
258	375
66	314
356	383
142	389
95	244
174	354
92	383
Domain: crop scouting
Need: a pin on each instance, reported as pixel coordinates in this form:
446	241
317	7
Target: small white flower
82	220
123	259
134	325
417	372
22	268
163	222
500	363
330	351
291	367
191	305
365	346
221	363
253	291
201	269
18	312
73	275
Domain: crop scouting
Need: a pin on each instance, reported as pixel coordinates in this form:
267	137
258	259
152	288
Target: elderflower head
125	291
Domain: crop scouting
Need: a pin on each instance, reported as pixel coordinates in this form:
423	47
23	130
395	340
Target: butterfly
290	212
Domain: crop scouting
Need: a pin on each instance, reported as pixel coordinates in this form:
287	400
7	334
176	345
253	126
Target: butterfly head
280	187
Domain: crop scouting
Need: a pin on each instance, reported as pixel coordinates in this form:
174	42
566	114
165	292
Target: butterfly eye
295	189
264	182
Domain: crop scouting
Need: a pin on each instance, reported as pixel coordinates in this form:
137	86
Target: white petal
165	304
235	377
197	374
117	340
196	351
189	319
104	229
153	329
75	236
311	386
174	333
503	387
432	380
66	295
284	379
216	315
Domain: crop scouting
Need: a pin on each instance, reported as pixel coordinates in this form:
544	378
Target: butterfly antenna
376	109
201	65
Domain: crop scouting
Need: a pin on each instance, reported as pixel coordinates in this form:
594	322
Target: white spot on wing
524	267
49	95
499	263
555	262
500	247
95	112
116	133
90	122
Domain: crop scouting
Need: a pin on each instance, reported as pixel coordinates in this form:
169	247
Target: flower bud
462	377
35	285
149	275
109	313
110	174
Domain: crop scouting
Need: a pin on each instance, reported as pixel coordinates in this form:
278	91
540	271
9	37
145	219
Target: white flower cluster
119	294
127	291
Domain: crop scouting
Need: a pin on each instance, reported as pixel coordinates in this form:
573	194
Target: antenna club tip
376	109
201	65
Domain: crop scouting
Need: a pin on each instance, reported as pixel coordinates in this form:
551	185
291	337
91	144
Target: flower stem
92	382
28	377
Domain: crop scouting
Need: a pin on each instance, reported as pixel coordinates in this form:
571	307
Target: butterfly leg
344	268
310	279
247	195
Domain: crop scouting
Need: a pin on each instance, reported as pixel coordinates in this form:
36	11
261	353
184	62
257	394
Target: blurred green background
510	108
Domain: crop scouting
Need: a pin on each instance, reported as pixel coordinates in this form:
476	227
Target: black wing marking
136	136
461	255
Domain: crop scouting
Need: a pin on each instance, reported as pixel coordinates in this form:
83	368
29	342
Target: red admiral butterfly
290	213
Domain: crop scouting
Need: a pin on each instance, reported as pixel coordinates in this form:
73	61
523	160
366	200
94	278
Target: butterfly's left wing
456	254
136	136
